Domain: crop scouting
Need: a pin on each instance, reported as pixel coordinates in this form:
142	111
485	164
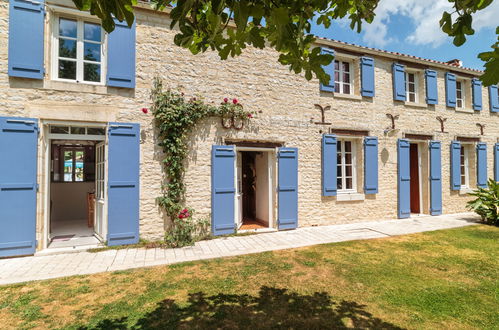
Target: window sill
348	96
352	196
465	110
465	191
415	104
75	87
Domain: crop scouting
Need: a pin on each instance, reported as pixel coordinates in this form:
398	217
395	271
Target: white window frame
416	86
343	166
463	94
54	60
464	161
351	73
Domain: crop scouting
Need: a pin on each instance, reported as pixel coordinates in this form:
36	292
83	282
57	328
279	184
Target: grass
443	279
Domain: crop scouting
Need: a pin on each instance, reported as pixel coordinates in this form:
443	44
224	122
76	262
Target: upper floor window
460	94
346	173
343	80
78	51
411	86
465	179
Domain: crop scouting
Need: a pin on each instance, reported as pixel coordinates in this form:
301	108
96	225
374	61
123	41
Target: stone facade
286	113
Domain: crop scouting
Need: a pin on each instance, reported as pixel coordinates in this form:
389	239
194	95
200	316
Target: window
78	51
346	171
465	180
460	94
73	165
56	129
411	86
343	77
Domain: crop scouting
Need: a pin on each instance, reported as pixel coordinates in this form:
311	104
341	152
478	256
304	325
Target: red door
414	170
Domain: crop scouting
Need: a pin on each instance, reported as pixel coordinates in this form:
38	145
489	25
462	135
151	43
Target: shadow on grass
272	308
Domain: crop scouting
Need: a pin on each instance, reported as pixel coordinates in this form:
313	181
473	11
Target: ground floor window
346	172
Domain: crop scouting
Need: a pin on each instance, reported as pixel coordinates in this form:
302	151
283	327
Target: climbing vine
175	118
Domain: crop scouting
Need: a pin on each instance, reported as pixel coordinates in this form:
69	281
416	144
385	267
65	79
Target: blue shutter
493	98
121	56
455	165
287	190
450	90
367	74
398	82
329	165
431	87
481	164
496	162
476	87
18	164
223	190
370	165
435	178
123	183
26	31
404	179
329	70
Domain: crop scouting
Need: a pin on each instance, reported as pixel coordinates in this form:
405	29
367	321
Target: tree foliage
283	25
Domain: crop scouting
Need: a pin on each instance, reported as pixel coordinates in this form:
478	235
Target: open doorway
77	186
415	174
254	189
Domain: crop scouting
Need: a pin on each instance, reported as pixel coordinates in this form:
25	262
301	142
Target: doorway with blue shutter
75	197
253	188
94	184
419	176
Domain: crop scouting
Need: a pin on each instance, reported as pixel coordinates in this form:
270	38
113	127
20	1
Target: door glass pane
67	69
68	166
348	171
78	130
96	131
59	129
79	158
67	27
348	183
348	146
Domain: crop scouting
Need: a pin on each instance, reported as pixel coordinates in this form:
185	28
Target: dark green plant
175	118
486	203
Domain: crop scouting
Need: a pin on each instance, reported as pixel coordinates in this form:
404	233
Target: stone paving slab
33	268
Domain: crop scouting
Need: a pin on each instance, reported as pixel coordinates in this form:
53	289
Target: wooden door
414	170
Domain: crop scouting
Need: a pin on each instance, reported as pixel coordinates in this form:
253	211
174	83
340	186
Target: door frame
272	187
104	207
44	167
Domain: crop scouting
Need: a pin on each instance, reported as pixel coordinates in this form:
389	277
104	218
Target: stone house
391	135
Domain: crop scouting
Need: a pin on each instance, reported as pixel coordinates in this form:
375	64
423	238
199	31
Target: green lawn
443	279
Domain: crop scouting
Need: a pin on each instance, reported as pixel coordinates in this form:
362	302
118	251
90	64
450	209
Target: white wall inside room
69	200
262	186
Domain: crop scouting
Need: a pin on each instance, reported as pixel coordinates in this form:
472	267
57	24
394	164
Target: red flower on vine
234	101
184	214
226	100
250	115
145	110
